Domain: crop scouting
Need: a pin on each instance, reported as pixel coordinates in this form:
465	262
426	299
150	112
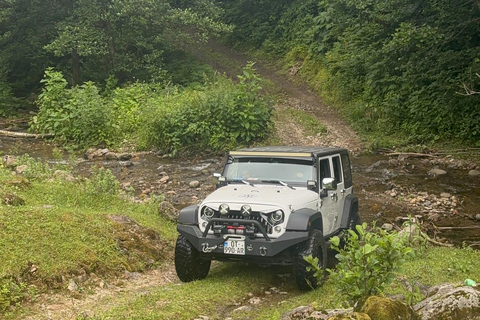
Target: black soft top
288	151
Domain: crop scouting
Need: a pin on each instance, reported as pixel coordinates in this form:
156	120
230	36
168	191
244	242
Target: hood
261	197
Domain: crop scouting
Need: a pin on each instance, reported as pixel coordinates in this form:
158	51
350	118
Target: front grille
253	216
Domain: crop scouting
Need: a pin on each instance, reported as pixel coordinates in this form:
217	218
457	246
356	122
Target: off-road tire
188	264
305	279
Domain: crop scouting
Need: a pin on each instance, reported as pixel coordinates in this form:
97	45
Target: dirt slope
291	94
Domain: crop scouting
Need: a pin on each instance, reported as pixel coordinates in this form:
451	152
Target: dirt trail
291	94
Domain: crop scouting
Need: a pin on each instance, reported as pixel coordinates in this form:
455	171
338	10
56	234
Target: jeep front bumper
212	246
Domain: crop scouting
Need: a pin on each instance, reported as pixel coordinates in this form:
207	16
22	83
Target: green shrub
11	293
78	114
221	116
102	181
368	261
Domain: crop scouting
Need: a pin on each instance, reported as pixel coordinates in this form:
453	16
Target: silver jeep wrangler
272	206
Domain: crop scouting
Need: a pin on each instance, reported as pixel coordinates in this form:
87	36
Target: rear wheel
188	264
305	279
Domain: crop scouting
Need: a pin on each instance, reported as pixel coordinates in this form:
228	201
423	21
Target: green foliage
78	114
368	262
8	102
102	181
36	169
11	293
217	116
392	66
220	116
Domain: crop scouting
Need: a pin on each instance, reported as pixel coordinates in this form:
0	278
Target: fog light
224	209
246	210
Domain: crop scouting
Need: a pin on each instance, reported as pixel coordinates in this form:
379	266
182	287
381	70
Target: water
385	187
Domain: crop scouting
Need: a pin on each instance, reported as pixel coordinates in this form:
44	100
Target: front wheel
306	280
188	264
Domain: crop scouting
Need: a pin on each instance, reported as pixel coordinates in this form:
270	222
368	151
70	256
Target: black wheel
314	247
188	264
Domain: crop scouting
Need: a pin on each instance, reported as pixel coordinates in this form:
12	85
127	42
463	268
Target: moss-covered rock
449	303
351	316
380	308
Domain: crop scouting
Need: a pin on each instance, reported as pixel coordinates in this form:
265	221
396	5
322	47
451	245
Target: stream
390	189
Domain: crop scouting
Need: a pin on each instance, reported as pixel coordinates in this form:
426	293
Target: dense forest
405	69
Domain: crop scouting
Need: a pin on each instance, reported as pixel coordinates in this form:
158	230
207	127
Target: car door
331	198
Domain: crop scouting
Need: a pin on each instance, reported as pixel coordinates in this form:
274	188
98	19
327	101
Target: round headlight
224	209
246	210
208	212
277	216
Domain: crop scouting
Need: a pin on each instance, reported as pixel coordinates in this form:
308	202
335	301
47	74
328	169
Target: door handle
334	196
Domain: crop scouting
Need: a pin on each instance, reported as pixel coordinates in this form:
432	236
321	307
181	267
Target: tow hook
207	249
263	251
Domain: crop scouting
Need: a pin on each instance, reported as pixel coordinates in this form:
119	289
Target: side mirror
329	184
219	180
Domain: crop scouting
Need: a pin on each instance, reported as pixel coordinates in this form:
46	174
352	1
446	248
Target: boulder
474	173
194	184
445	302
64	175
21	169
351	316
437	172
166	209
381	308
11	199
10	161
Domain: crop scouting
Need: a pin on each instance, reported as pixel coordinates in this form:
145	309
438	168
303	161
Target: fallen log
458	228
24	135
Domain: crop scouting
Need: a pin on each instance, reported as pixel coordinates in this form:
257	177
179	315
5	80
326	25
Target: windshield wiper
243	181
279	182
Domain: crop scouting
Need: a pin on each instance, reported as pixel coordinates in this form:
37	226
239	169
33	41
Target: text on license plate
234	247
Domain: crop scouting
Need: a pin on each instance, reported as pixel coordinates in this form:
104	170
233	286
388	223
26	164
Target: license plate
234	247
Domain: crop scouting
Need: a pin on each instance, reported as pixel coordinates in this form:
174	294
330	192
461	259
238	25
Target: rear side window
346	170
337	169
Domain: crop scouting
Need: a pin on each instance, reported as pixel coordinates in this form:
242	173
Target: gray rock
387	226
437	172
194	184
477	217
167	209
449	303
21	169
10	161
474	173
445	195
64	175
124	156
111	156
72	286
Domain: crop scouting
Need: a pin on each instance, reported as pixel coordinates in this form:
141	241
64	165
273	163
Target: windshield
268	169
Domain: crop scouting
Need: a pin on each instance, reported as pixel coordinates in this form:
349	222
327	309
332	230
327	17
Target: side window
337	169
324	170
346	170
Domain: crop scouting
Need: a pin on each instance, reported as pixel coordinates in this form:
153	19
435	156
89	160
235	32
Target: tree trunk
76	71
